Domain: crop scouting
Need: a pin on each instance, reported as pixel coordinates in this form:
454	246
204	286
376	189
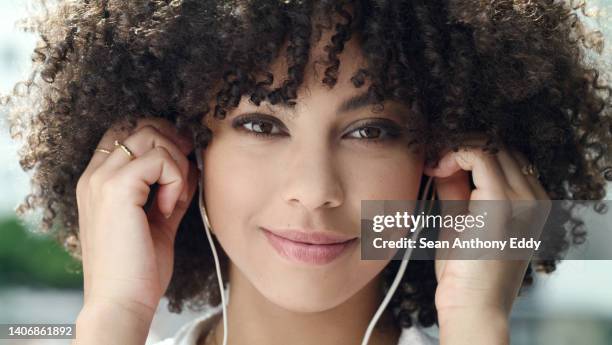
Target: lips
309	247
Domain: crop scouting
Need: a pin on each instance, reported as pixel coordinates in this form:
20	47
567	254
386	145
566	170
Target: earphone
198	154
379	311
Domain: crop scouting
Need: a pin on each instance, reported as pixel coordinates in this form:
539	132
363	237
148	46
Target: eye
376	130
259	125
371	131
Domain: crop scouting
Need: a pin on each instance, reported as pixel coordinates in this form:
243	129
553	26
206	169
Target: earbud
198	154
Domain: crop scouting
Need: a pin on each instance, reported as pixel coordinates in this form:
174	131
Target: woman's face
308	174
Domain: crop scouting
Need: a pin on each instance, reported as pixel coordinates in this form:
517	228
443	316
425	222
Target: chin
306	291
303	300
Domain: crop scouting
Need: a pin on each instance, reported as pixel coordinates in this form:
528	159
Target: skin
473	293
312	174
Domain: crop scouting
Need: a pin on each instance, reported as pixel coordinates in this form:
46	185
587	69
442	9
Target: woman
298	110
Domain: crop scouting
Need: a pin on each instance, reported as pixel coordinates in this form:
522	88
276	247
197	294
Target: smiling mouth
314	248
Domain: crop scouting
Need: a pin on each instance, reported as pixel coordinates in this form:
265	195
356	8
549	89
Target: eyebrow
353	103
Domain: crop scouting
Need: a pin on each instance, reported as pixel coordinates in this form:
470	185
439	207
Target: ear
444	167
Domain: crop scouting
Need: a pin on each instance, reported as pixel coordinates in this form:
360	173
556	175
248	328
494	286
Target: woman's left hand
474	297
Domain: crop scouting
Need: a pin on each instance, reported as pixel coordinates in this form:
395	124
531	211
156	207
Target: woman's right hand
128	252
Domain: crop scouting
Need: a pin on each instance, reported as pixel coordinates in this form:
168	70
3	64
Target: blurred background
40	283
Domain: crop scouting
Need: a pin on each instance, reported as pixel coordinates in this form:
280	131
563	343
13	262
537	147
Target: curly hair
517	71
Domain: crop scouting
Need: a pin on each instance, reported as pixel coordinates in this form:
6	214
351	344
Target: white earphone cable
396	280
212	246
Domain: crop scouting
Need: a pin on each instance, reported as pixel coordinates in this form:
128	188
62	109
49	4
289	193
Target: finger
454	187
534	182
145	139
119	132
170	225
515	177
155	166
487	174
445	167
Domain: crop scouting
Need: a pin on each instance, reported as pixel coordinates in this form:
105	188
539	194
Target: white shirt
189	333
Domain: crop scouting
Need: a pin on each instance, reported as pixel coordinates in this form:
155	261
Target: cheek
235	187
387	178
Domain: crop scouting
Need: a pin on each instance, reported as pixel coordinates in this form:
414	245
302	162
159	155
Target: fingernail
168	215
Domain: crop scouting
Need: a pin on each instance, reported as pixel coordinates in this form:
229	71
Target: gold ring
103	150
125	149
530	169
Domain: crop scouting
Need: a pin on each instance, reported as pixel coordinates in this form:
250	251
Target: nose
311	179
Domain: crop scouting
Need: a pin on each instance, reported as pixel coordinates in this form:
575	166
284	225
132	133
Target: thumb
453	187
451	181
171	224
453	192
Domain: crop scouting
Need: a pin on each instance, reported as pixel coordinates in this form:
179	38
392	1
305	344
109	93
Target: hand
480	292
128	252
